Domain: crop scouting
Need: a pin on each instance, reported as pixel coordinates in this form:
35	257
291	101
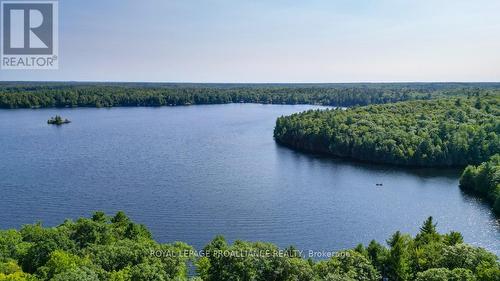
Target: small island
57	120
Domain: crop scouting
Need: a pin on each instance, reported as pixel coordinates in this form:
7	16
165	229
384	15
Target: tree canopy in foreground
115	248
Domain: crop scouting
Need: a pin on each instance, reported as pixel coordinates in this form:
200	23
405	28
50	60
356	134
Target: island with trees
58	120
115	248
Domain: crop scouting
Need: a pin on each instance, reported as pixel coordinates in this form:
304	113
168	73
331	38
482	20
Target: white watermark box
30	37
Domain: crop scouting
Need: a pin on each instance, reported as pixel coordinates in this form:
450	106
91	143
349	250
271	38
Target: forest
484	180
441	132
115	248
53	94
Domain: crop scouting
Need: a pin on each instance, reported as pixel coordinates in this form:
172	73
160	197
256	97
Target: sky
265	41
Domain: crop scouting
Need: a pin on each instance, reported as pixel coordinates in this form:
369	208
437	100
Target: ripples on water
190	173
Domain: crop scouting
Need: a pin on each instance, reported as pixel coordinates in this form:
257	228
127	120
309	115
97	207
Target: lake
191	172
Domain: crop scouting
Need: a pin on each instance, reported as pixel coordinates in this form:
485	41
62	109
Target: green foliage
120	218
468	257
77	274
398	260
414	133
251	261
43	242
17	276
10	241
89	249
34	95
484	180
9	267
11	271
148	272
443	274
60	262
405	258
99	248
377	255
121	275
427	233
348	265
453	238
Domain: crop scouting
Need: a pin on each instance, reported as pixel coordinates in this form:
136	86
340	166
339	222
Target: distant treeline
442	132
51	94
484	180
117	249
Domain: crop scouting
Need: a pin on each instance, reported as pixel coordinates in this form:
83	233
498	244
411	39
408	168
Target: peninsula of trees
442	132
51	94
117	249
484	180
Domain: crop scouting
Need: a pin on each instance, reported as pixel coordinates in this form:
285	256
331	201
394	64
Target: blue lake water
190	173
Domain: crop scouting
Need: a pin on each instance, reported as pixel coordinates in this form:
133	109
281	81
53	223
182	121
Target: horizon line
254	83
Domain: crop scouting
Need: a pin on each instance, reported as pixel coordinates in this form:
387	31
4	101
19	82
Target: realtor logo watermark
29	37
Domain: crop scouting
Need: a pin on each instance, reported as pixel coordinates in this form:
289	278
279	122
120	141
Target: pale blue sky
276	41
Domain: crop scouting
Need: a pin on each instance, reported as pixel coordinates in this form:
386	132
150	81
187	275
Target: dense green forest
484	180
442	132
50	94
115	248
